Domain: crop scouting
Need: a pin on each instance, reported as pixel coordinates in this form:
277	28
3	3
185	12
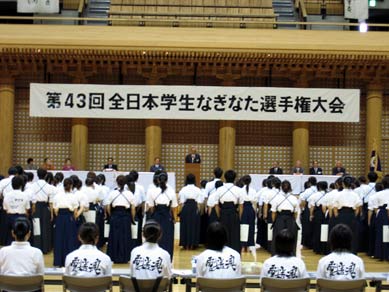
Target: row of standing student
149	261
362	206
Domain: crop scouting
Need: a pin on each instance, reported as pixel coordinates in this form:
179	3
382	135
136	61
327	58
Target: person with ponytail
67	211
162	202
96	262
248	211
121	209
158	258
20	258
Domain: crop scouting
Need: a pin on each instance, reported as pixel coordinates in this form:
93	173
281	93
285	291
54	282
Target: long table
188	277
145	178
297	181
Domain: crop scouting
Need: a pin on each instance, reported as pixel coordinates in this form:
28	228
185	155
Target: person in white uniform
149	261
229	209
284	212
16	204
341	264
42	211
87	260
284	265
20	258
162	202
218	260
190	198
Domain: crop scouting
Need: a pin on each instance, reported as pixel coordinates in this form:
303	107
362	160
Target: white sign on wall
194	102
38	6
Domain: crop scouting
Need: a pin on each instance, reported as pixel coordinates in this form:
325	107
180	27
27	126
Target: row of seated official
149	261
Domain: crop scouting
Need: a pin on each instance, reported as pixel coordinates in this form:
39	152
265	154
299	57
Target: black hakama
139	220
372	235
189	224
163	216
99	220
318	220
261	230
306	225
284	220
248	217
3	225
269	224
44	240
363	230
65	231
347	216
381	251
212	217
230	218
119	240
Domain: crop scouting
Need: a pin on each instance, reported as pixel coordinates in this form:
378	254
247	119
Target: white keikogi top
16	202
341	266
149	261
157	197
284	268
218	264
190	192
88	261
21	259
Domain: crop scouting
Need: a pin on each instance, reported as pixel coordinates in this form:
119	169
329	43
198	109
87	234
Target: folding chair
222	285
22	283
87	284
326	285
284	285
126	284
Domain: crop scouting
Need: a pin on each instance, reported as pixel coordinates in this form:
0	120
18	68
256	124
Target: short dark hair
372	176
217	236
362	179
30	176
17	182
88	233
218	172
230	176
285	243
41	173
322	186
29	160
347	181
21	227
312	180
152	231
286	186
203	183
190	179
218	184
68	184
135	174
276	182
12	170
385	182
340	238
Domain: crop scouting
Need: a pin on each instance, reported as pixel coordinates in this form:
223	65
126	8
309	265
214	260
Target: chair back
126	284
21	283
222	285
326	285
86	284
284	285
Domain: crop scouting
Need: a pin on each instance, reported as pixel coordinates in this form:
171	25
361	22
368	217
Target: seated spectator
157	259
68	166
218	260
284	265
21	259
340	264
88	261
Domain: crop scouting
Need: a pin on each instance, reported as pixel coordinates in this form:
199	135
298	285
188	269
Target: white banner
194	102
38	6
356	9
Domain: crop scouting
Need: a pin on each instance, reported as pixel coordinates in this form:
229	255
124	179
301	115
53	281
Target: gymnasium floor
182	260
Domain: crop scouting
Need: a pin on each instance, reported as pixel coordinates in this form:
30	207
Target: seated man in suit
338	169
275	169
193	156
110	166
298	170
315	169
157	165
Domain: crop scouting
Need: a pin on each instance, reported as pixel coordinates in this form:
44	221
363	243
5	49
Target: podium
193	168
